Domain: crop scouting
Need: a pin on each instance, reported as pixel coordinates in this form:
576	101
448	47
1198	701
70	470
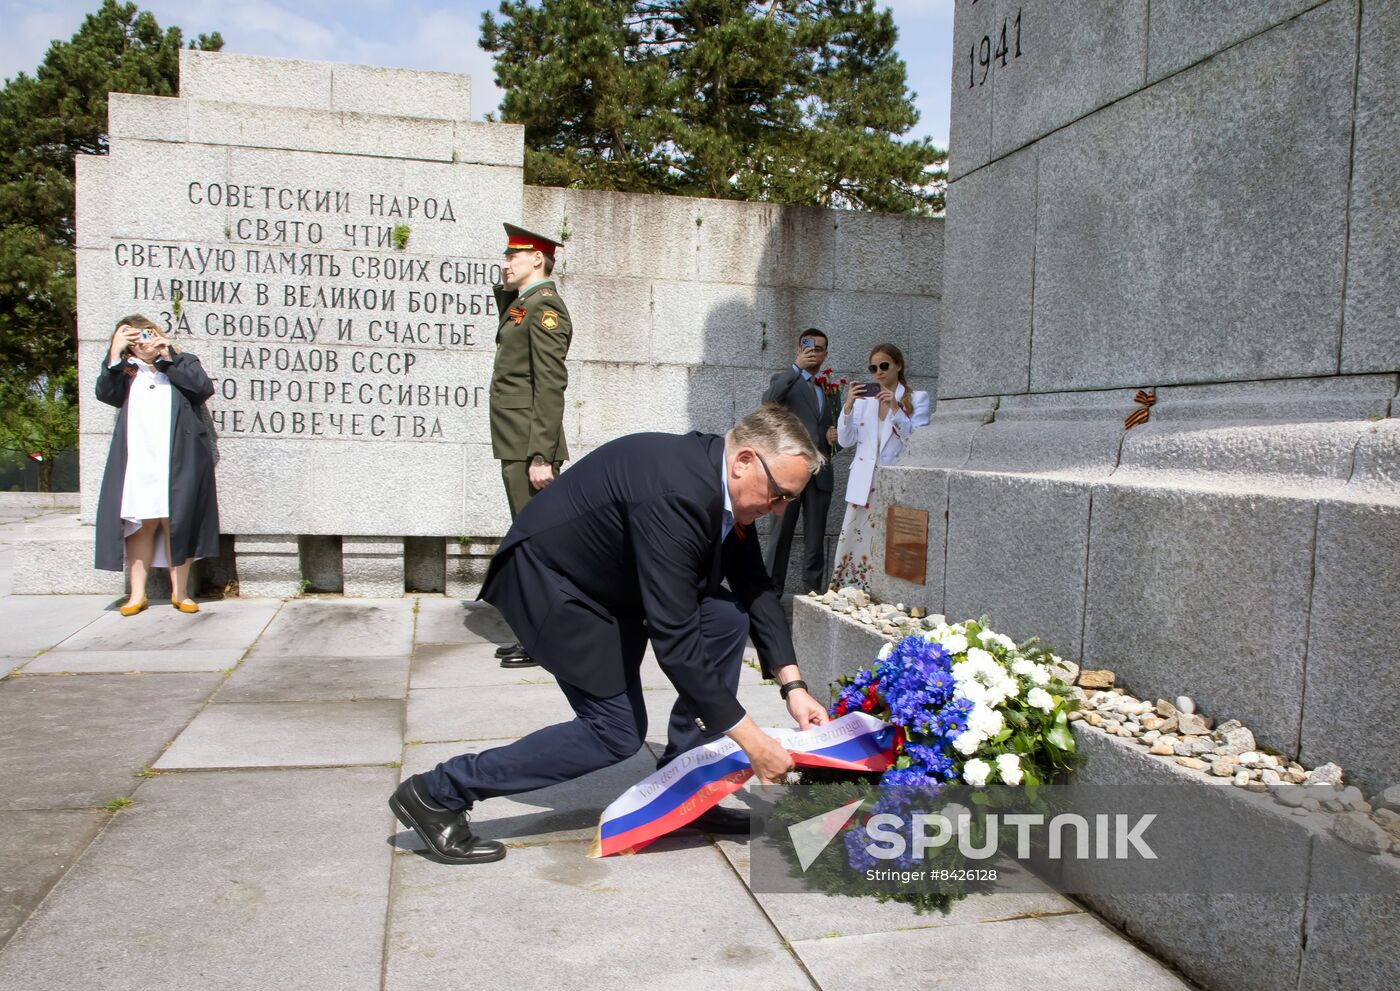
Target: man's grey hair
773	430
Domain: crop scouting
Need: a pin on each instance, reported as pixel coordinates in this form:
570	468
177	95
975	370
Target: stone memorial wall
1190	210
325	238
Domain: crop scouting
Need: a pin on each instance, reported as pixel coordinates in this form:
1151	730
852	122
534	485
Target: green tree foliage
39	417
788	101
45	120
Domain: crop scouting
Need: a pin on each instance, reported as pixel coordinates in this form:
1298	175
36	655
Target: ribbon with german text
698	779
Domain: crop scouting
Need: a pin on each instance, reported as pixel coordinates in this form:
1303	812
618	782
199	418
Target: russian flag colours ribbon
696	780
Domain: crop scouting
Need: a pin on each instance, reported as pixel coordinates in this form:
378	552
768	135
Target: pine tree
789	101
45	120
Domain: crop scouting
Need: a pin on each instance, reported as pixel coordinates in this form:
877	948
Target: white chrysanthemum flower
954	644
1009	767
1040	699
988	637
971	690
1039	674
967	742
985	720
975	772
1022	666
981	658
885	652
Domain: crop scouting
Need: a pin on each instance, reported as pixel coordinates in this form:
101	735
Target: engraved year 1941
983	54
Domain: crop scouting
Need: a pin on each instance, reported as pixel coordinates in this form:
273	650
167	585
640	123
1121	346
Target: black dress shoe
722	820
509	650
520	660
448	835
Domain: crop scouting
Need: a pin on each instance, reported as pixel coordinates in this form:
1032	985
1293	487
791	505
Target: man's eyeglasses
883	366
778	495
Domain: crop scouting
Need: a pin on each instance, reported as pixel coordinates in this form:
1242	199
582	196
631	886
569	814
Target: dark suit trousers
813	507
604	730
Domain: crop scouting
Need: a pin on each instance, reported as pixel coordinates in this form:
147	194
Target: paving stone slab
506	711
37	622
37	848
468	665
124	661
816	915
1063	953
674	916
288	734
567	811
8	664
76	742
226	625
277	678
255	898
443	620
331	627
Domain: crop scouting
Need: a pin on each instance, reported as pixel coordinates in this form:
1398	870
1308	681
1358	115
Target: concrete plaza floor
192	802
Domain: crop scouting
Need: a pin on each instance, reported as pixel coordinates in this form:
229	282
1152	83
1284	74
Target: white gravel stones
1185	704
1327	774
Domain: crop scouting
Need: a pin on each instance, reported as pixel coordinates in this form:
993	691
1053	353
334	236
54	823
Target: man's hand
805	710
831	435
541	474
769	758
809	359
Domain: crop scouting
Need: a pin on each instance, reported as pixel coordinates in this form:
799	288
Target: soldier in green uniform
528	379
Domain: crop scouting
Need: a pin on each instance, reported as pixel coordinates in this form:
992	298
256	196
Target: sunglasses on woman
883	366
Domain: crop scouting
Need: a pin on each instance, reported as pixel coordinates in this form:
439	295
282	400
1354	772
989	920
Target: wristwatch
537	460
783	690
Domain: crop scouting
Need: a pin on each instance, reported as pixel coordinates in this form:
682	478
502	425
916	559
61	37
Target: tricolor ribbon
698	779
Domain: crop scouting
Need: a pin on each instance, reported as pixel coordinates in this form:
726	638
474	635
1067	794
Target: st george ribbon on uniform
698	779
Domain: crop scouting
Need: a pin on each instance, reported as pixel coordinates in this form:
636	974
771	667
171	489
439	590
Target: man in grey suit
795	388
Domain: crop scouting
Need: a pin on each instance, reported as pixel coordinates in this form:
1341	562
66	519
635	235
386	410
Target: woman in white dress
157	507
876	425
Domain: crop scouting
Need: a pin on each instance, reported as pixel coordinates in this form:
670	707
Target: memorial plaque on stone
906	543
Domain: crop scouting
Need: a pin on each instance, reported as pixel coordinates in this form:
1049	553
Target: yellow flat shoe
185	607
133	610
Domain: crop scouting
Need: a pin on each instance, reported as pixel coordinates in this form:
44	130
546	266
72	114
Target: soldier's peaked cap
519	239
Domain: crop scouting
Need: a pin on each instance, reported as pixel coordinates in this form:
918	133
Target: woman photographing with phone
157	505
876	420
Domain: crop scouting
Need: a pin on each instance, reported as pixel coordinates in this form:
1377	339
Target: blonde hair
772	430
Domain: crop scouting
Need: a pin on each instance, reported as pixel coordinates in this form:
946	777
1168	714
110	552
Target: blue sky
419	34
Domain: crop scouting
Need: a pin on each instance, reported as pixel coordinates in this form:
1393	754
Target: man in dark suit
631	545
795	387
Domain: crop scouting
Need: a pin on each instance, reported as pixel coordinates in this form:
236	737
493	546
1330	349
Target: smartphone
144	336
807	343
870	390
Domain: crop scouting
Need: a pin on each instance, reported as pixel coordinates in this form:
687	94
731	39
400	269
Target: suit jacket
528	378
632	533
797	394
877	441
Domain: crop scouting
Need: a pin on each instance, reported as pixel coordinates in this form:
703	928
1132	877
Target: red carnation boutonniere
831	389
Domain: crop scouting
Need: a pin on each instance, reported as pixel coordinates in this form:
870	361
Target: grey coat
194	508
797	394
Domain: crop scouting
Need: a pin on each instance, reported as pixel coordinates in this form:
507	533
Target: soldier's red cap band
525	244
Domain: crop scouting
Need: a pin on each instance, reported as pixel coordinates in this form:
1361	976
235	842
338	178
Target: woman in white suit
876	425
